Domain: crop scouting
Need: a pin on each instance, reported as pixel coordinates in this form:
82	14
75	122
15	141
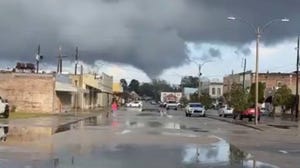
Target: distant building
271	80
215	90
118	92
170	96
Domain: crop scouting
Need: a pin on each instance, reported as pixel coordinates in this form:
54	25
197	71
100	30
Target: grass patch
17	115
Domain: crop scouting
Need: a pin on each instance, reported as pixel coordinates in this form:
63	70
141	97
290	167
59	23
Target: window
213	91
279	84
219	91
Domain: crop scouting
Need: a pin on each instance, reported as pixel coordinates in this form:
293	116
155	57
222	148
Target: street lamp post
258	31
199	80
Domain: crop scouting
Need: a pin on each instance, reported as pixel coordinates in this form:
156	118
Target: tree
190	81
283	97
238	98
124	84
183	101
161	86
147	89
134	86
194	97
261	89
206	100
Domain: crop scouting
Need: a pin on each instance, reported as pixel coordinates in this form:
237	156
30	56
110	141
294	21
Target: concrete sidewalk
264	124
52	121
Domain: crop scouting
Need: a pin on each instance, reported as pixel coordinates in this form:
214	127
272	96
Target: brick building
27	92
271	80
55	93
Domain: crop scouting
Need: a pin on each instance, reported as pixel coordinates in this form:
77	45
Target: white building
215	90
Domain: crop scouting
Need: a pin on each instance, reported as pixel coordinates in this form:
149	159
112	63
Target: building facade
106	86
272	81
55	93
36	93
93	91
215	90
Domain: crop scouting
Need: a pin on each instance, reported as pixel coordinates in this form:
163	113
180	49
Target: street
135	138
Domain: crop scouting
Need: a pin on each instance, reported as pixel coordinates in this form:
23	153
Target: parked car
225	111
194	109
248	113
137	104
4	108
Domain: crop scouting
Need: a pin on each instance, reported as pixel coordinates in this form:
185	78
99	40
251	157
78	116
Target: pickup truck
4	108
171	105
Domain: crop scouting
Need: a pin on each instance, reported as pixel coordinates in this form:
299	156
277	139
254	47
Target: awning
64	87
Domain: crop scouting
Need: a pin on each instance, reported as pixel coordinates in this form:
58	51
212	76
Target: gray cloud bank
149	34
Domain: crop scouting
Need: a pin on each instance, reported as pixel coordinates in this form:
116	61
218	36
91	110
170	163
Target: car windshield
196	105
149	83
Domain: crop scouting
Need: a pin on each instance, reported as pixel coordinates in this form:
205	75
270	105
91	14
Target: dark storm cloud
212	54
215	53
149	34
243	51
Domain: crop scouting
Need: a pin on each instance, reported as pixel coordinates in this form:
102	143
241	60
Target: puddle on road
167	125
147	114
220	154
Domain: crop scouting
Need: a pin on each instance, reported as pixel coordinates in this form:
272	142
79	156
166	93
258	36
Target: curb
236	123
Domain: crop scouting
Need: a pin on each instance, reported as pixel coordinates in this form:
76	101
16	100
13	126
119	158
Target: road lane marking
126	132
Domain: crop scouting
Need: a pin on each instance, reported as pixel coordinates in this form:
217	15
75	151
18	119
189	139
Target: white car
171	105
4	108
194	109
137	104
225	111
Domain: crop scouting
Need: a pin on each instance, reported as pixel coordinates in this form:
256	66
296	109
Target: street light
199	79
258	31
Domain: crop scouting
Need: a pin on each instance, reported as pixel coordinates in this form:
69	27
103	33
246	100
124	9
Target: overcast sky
146	39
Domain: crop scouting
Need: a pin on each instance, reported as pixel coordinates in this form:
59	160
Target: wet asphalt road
133	138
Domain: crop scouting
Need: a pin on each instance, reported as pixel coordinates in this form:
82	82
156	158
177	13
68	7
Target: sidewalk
264	124
52	121
279	122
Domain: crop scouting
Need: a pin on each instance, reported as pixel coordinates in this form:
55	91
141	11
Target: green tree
124	84
261	90
147	89
194	97
184	101
161	86
190	81
134	86
238	98
206	100
283	97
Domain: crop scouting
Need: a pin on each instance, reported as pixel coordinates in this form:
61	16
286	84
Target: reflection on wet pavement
219	154
88	150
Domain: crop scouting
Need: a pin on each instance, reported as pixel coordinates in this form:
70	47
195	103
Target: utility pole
297	81
59	60
76	60
245	63
38	57
199	82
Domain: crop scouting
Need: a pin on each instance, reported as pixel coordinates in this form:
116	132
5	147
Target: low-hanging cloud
148	34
